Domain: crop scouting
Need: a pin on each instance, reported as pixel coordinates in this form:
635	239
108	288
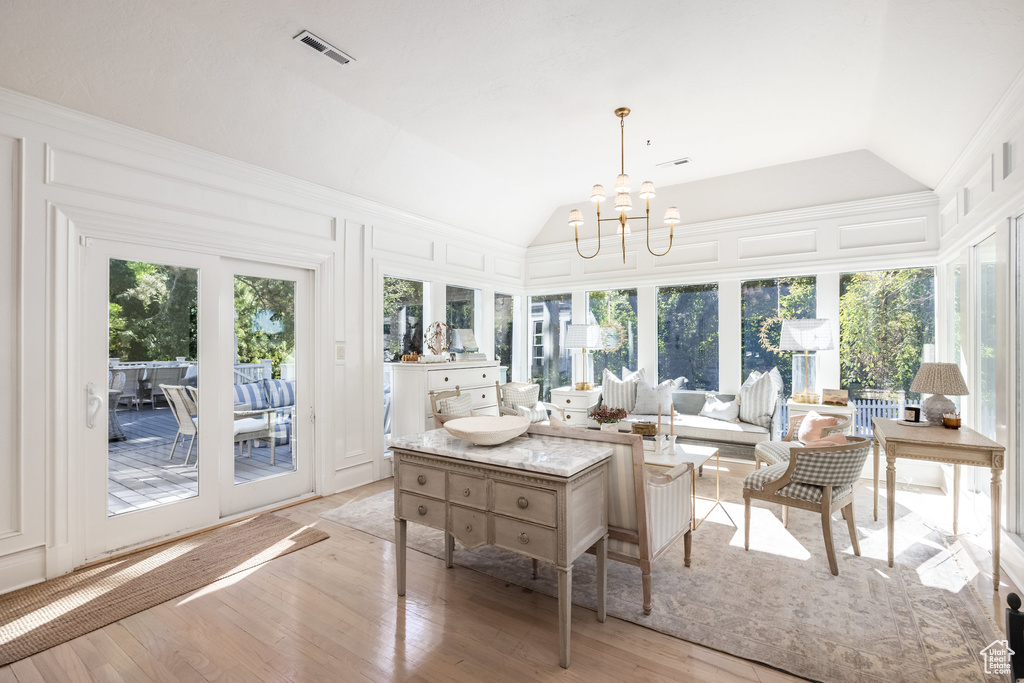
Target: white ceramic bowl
485	430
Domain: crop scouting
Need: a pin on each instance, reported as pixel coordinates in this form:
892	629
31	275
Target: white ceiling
488	116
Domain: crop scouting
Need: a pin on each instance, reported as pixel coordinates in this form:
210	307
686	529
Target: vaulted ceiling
490	116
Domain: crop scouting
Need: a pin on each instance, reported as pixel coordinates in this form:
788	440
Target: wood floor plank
26	671
159	661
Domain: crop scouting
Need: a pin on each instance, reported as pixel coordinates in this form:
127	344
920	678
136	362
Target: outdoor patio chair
256	425
187	425
130	393
159	376
820	479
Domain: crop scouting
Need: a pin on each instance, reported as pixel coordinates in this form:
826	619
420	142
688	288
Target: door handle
95	403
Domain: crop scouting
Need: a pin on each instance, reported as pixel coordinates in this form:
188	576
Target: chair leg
848	513
785	516
273	443
826	530
746	523
687	546
191	443
249	449
173	446
645	579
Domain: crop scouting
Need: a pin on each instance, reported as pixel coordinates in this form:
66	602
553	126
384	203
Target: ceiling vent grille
674	162
324	48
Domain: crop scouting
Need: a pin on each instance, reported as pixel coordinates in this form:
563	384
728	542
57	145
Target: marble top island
530	453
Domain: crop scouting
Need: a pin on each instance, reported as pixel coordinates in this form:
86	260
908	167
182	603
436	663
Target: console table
534	496
937	444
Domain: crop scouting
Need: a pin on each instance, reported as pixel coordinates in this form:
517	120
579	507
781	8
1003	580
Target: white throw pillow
716	408
538	413
628	374
456	405
649	399
617	394
757	401
526	395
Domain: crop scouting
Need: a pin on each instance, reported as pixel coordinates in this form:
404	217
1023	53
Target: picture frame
835	397
911	414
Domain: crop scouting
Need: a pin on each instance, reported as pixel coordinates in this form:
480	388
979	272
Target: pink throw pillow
830	440
811	426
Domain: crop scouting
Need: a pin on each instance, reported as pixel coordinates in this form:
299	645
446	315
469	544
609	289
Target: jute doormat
53	612
776	603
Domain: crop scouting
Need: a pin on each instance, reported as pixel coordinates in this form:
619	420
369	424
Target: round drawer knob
445	379
483	395
485	375
421	480
422	509
568	417
523	503
523	538
466	492
469	527
568	401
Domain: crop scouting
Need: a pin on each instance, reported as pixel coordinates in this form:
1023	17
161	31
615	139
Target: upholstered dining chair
816	478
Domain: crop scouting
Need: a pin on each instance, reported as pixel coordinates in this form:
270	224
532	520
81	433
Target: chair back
117	381
501	388
842	425
180	405
831	465
131	380
436	396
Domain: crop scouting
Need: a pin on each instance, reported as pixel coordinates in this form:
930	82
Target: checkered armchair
818	479
776	451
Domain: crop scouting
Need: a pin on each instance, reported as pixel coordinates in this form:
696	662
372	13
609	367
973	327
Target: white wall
64	174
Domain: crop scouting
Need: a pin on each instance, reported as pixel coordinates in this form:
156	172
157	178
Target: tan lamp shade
622	185
647	190
940	378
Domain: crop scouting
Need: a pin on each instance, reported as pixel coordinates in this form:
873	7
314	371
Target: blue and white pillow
279	392
251	395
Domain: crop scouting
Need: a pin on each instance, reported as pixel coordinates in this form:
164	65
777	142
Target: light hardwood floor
329	612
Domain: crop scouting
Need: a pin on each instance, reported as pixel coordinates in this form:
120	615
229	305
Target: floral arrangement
606	415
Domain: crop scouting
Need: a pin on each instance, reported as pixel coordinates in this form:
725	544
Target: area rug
50	613
777	603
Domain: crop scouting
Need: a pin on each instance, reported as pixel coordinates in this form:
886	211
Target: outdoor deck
140	475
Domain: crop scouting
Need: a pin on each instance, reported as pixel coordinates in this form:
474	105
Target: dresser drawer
424	480
523	537
471	491
524	502
468	526
482	396
463	377
421	510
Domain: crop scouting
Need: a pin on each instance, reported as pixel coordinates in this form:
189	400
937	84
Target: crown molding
913	200
1007	108
41	112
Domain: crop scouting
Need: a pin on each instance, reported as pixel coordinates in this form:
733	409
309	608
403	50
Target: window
504	307
688	335
552	366
886	319
460	305
765	303
403	318
614	309
986	363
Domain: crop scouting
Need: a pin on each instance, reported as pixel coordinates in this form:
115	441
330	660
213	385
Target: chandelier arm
577	231
670	236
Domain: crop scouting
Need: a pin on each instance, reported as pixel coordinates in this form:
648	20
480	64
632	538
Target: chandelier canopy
624	204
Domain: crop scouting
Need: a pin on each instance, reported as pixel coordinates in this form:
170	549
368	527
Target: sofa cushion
697	427
279	392
650	398
251	395
812	494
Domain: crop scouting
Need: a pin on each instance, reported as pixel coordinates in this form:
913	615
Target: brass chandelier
623	204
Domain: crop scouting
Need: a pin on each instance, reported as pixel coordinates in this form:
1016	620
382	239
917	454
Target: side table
576	403
796	408
698	455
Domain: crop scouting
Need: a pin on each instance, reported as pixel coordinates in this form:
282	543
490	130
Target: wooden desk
535	496
937	444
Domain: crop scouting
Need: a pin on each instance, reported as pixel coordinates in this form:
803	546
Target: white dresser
411	384
576	403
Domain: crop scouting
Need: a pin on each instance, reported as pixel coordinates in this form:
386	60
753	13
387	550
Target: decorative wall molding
612	263
464	258
980	186
389	241
782	244
883	233
704	252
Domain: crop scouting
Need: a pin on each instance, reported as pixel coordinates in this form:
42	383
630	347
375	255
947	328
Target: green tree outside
616	309
782	298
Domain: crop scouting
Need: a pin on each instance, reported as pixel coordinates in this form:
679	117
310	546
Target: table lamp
805	334
938	379
584	337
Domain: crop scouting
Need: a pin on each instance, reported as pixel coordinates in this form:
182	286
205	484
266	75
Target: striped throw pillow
538	413
280	392
251	395
455	405
757	401
616	393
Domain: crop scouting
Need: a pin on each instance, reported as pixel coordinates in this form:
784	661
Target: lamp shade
647	190
583	337
806	334
939	378
623	229
672	215
622	184
597	194
623	202
575	218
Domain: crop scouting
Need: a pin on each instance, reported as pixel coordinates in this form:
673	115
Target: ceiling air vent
674	162
323	47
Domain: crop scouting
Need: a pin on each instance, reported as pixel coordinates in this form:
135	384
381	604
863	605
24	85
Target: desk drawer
523	537
424	480
482	396
573	402
462	377
524	502
468	526
470	491
421	510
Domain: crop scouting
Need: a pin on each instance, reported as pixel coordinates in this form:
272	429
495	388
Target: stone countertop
529	453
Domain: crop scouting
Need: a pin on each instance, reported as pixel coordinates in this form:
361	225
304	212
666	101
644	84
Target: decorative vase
935	406
609	427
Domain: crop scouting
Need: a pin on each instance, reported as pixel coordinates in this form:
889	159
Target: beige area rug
53	612
776	604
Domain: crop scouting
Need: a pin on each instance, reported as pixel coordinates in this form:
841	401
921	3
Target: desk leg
564	613
956	499
449	549
890	500
400	554
876	479
602	576
996	525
